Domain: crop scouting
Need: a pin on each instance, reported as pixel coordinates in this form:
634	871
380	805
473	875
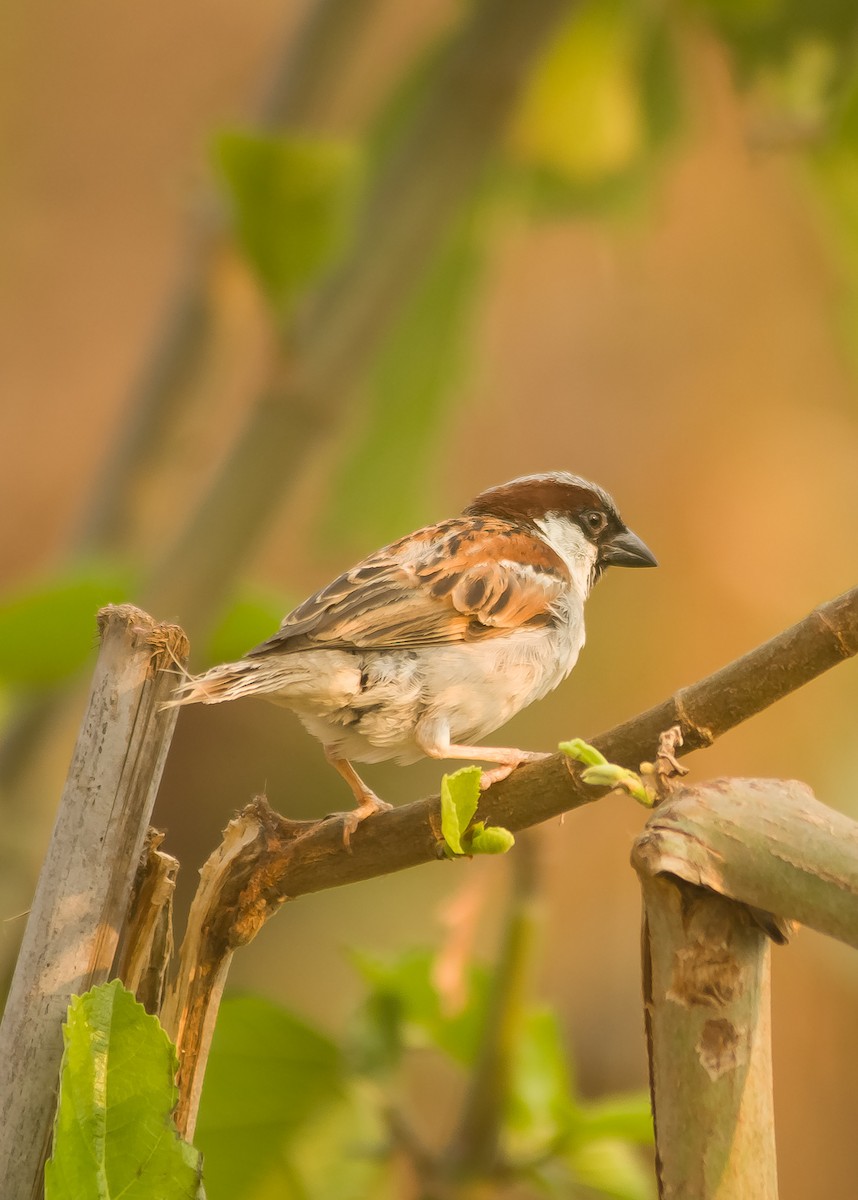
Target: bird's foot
370	805
496	774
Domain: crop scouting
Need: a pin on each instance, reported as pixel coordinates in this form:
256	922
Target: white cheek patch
576	550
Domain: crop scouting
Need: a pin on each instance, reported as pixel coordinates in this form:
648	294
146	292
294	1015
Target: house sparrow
441	637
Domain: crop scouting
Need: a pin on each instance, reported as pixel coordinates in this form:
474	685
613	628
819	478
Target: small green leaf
47	632
583	752
460	796
114	1136
268	1075
493	839
610	775
292	199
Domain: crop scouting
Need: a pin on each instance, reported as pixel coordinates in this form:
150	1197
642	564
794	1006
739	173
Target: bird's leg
435	744
367	801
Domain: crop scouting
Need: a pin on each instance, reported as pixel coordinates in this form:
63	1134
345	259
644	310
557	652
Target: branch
767	843
770	845
266	859
146	942
310	853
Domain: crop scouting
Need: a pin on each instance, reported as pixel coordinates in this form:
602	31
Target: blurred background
282	281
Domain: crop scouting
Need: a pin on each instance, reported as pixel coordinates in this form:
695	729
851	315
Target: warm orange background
690	361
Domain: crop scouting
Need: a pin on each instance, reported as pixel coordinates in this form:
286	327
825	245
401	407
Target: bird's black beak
625	549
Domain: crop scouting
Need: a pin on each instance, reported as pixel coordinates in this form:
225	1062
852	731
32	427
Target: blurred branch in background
327	344
299	94
409	208
116	516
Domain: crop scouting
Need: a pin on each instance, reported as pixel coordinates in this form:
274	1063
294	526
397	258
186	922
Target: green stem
475	1150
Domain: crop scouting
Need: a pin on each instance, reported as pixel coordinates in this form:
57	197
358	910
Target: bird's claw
496	774
368	807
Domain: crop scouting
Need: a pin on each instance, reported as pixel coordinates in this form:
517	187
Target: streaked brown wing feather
460	581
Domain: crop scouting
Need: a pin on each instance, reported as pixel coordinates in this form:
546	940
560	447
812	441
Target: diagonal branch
266	859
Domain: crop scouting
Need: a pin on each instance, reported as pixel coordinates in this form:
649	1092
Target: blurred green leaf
337	1157
832	169
399	431
114	1135
540	1098
48	631
627	1117
413	1002
292	200
760	32
460	796
603	101
252	618
610	1167
580	114
268	1075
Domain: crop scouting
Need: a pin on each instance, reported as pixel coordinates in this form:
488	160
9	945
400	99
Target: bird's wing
460	581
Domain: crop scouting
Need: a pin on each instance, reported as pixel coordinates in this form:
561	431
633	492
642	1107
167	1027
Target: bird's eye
595	521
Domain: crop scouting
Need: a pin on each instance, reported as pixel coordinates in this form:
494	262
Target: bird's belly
376	721
472	688
485	684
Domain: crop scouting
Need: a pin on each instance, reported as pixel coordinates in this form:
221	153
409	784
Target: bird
438	639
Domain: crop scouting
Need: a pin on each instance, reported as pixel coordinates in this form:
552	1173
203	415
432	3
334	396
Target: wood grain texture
87	876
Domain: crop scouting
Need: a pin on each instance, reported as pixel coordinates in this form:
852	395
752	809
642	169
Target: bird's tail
232	681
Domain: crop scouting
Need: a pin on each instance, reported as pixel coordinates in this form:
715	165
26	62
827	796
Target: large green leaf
268	1075
114	1136
292	199
48	631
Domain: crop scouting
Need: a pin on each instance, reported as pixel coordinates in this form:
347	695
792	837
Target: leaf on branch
114	1135
460	797
582	752
292	200
600	773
